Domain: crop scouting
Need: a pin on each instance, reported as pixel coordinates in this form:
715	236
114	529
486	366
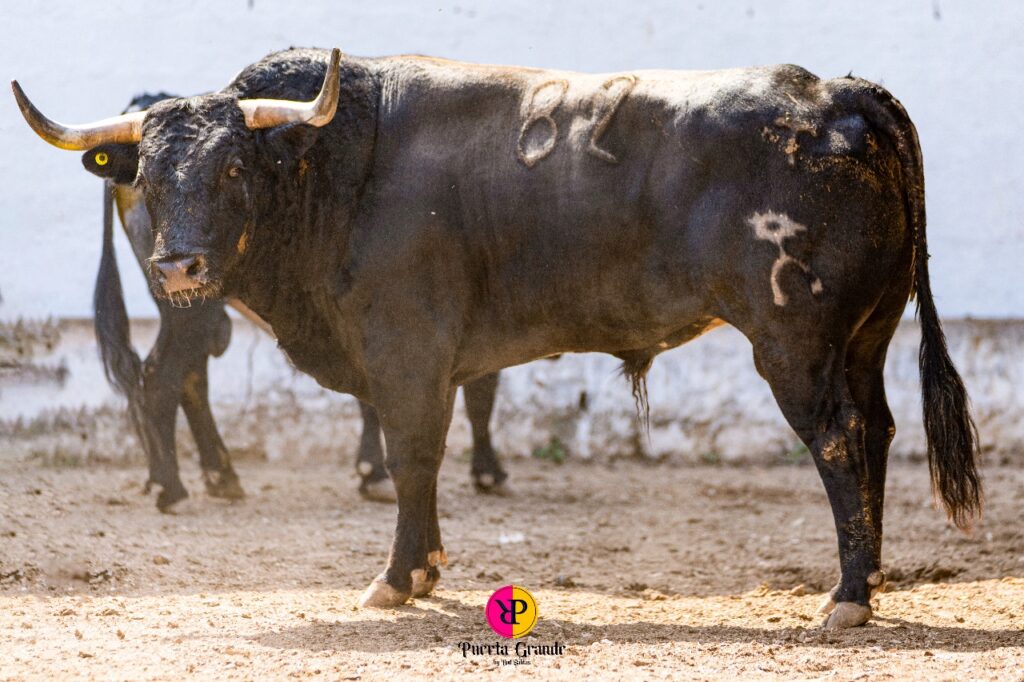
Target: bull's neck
293	268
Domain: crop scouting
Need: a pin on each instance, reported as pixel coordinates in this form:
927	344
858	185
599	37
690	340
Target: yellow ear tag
102	159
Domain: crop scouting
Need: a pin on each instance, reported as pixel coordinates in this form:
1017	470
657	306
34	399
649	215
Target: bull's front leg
415	424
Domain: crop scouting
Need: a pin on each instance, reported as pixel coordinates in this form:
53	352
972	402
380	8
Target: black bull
175	370
453	219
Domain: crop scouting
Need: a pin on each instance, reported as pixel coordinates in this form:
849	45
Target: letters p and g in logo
511	611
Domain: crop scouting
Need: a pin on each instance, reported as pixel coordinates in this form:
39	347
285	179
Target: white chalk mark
837	142
776	228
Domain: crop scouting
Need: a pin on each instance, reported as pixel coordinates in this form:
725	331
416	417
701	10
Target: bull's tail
951	434
121	363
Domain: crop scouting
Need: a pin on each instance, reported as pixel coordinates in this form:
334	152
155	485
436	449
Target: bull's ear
289	143
117	162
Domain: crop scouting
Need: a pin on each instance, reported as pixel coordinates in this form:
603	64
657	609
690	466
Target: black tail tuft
121	363
950	430
952	435
635	367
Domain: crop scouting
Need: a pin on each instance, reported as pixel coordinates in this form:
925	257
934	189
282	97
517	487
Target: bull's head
202	167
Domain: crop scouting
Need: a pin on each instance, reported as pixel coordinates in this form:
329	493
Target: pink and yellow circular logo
511	611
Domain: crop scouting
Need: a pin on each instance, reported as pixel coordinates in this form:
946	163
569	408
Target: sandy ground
640	571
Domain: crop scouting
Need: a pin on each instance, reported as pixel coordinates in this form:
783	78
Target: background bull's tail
950	430
121	363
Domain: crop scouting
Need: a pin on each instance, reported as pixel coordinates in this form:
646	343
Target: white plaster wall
707	401
956	65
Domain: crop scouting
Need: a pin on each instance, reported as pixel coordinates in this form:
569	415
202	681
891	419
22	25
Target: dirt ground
640	571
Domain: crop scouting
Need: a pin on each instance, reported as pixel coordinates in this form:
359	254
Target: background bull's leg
218	474
186	338
415	433
486	470
488	476
810	386
162	375
374	481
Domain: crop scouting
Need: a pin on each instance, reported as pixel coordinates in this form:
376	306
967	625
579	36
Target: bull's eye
102	159
235	170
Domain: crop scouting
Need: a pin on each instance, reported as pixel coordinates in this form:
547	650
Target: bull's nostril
177	274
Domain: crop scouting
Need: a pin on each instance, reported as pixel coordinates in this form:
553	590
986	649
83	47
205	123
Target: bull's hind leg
488	476
809	383
865	364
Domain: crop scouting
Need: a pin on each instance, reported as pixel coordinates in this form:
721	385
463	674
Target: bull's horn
123	129
267	113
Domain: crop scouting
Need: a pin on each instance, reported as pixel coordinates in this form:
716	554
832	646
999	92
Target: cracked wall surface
707	403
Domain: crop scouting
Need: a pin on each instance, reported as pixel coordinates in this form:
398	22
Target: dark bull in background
175	371
446	220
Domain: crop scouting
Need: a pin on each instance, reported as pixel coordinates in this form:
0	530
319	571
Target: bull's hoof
380	595
847	614
487	484
224	484
382	490
169	500
424	581
183	506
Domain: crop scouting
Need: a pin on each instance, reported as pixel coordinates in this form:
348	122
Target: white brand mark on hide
538	134
542	103
606	103
776	228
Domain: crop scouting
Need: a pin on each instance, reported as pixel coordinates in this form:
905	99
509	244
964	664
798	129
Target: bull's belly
490	351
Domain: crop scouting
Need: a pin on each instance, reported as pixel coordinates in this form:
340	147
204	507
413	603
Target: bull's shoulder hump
670	87
452	69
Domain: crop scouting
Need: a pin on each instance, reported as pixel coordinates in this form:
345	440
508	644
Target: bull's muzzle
180	273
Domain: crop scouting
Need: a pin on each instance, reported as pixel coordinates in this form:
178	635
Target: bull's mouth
184	298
